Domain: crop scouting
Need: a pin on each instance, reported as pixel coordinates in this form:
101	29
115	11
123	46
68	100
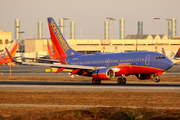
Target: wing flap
48	60
52	65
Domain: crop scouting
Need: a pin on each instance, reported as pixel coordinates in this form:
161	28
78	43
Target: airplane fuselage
145	65
129	62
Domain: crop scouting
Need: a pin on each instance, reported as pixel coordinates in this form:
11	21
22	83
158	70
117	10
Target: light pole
169	28
65	26
156	32
111	19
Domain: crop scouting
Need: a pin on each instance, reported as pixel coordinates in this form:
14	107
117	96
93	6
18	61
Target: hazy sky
89	16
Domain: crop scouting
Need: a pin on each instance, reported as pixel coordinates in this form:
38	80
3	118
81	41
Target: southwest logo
59	36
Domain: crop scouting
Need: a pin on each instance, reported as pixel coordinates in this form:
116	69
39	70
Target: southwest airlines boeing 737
99	66
12	48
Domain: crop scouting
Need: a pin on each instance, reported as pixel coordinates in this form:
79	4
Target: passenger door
147	59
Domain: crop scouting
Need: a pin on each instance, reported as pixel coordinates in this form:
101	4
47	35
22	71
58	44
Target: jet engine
103	74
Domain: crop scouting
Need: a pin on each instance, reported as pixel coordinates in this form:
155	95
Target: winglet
177	54
10	56
163	51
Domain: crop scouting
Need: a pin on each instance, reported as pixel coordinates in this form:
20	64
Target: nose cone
169	64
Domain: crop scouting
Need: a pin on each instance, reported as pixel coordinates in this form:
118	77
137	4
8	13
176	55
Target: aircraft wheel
121	80
157	80
124	81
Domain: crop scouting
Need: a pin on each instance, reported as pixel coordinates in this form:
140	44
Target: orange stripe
62	53
56	53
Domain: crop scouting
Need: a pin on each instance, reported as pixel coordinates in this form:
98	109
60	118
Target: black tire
124	81
119	80
157	80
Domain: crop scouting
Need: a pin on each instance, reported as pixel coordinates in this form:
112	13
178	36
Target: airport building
17	29
40	30
5	40
130	43
106	30
139	42
72	30
140	27
121	28
173	28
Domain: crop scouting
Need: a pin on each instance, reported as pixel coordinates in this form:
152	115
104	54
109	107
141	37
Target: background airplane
49	58
99	66
4	58
176	58
49	50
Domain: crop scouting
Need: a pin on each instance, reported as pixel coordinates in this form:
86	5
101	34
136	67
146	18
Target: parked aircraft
176	58
4	58
99	66
49	51
163	51
48	58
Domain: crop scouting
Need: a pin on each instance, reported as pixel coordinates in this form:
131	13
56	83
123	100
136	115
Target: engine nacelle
103	74
145	76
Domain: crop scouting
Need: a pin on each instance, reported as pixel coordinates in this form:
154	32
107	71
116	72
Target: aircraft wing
177	58
48	60
52	65
61	66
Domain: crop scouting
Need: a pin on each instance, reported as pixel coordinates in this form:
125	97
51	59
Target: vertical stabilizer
60	45
12	48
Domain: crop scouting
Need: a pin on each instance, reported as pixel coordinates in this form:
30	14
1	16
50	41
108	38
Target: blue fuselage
146	62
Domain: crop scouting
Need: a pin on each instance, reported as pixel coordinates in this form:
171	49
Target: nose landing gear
157	79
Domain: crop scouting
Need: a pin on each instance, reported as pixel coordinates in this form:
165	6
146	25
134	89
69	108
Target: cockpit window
163	57
158	58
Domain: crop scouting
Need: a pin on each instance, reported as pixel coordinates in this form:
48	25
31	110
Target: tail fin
10	56
50	53
177	54
12	48
163	51
60	45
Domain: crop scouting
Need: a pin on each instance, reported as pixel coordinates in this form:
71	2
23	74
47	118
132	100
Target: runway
83	86
88	86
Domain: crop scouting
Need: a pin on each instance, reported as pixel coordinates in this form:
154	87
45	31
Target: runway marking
87	87
79	106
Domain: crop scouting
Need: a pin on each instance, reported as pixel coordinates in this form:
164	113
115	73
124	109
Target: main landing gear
121	80
157	79
96	81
